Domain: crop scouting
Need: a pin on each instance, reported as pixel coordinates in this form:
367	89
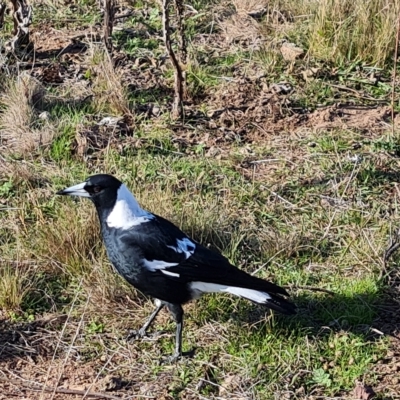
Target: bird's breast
124	259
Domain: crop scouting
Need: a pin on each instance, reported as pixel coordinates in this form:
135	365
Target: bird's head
116	205
102	189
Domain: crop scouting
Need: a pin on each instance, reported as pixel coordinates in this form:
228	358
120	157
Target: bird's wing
159	242
164	248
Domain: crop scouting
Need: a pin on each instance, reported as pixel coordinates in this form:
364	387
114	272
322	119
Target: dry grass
15	283
238	25
20	103
106	84
241	27
288	205
250	6
342	31
354	30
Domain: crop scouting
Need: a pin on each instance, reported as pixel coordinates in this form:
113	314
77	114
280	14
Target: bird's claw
134	334
170	359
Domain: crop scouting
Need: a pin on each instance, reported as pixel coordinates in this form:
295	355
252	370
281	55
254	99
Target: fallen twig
356	93
311	288
41	388
124	15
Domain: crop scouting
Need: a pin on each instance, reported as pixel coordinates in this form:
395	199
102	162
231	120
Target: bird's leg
142	331
177	313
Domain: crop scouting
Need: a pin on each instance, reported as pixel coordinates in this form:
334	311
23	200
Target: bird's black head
102	189
116	206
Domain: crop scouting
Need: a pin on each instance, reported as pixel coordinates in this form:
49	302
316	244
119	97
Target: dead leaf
310	73
81	144
229	384
281	88
363	392
290	52
109	383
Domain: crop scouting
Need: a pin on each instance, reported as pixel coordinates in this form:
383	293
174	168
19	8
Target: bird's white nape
198	288
127	211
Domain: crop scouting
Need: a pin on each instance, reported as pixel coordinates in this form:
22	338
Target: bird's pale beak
76	190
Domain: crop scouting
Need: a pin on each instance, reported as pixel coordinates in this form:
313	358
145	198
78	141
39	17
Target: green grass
307	209
327	339
75	16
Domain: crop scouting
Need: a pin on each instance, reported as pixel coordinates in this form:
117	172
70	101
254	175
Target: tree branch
22	19
181	29
109	14
2	12
177	107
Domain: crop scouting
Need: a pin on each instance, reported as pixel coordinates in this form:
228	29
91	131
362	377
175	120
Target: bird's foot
172	359
176	357
134	334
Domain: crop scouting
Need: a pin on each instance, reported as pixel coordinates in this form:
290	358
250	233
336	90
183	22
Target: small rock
281	88
355	158
155	110
45	115
109	121
290	52
213	151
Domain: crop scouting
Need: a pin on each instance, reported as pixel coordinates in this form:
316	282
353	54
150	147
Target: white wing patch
127	212
198	288
185	246
154	265
174	274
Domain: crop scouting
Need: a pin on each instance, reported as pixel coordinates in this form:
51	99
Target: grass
302	207
182	188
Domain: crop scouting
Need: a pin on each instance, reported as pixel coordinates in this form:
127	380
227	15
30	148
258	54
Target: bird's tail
275	302
258	295
229	279
260	291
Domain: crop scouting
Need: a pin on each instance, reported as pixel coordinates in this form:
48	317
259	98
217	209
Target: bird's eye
94	189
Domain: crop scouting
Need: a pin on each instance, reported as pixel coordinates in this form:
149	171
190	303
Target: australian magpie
158	259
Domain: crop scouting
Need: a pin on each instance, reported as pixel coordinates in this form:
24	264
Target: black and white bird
158	259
